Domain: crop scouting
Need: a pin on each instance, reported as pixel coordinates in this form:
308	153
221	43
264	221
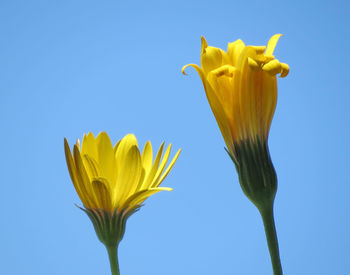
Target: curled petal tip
284	70
183	69
196	67
273	67
253	64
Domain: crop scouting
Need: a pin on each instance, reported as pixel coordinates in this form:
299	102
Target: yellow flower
113	181
116	177
241	88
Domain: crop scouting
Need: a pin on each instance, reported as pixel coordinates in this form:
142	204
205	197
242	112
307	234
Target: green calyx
257	175
109	227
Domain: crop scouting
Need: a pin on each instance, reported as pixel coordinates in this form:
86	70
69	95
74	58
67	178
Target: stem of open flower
271	236
113	259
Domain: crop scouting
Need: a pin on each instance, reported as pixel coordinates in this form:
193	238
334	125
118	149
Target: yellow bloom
113	181
116	178
241	88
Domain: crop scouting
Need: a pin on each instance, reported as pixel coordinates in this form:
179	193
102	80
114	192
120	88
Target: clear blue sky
69	67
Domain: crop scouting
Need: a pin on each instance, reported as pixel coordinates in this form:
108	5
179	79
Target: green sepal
109	227
256	173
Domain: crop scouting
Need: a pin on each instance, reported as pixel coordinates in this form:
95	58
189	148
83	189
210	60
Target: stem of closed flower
113	259
271	236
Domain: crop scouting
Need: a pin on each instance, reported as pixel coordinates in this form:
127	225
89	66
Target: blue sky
70	67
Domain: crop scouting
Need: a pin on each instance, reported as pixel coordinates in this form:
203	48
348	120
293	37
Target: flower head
116	177
241	88
113	181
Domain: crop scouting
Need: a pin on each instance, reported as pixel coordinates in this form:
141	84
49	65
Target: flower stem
113	259
271	236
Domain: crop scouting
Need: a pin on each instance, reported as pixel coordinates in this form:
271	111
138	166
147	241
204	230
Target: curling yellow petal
253	64
218	109
170	166
271	45
212	58
214	104
285	70
273	67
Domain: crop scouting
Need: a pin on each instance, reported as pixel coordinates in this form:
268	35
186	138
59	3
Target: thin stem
113	259
271	236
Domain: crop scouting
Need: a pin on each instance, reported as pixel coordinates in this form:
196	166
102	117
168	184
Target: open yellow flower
241	88
116	178
113	182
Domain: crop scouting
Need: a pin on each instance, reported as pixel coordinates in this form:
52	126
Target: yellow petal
161	166
102	195
73	174
83	178
272	44
141	180
139	197
149	178
88	146
273	67
128	177
234	50
197	68
218	110
259	49
147	157
106	156
253	64
269	102
215	105
116	146
123	148
92	167
285	70
211	57
168	169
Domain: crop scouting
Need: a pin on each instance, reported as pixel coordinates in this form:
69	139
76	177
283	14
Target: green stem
113	259
271	236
